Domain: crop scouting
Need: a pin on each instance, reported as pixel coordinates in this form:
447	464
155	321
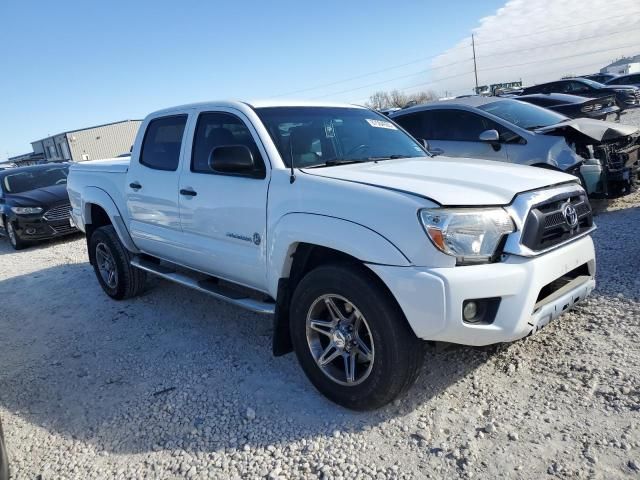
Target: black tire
397	353
4	461
14	239
129	281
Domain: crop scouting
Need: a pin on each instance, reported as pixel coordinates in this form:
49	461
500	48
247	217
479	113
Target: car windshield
524	115
591	83
320	136
24	181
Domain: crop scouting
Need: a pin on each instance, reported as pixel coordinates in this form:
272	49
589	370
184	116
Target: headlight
472	235
26	210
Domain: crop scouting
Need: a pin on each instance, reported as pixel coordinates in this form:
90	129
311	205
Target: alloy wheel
340	340
106	265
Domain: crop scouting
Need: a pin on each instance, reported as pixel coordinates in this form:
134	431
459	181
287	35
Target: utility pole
475	67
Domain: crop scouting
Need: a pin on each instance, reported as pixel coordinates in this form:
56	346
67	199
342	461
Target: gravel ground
174	384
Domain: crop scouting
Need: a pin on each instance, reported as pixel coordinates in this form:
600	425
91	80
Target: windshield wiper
336	161
388	157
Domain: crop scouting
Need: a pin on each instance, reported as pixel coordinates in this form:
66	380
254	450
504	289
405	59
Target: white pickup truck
335	221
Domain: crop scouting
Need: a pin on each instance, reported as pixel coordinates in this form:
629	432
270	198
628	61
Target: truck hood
598	130
448	181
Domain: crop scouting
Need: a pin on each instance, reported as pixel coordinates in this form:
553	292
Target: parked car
34	204
4	460
627	96
629	79
338	223
603	154
599	77
574	106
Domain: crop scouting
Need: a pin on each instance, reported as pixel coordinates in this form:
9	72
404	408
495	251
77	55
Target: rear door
454	131
152	187
224	215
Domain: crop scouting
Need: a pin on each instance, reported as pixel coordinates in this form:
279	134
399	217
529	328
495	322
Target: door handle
188	192
135	185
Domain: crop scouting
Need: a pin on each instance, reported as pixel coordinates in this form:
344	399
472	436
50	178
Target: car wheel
111	263
4	461
351	338
14	239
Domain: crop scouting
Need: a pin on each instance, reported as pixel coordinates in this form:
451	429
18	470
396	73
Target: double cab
337	223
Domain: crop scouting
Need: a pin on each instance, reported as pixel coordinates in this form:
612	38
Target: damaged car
574	106
604	155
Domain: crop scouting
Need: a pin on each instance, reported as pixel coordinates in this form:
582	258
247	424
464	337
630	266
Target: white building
92	143
623	66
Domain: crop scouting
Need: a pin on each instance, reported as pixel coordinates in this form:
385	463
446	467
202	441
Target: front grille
546	224
64	229
61	212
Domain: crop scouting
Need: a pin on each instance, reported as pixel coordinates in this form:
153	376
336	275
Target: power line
412	62
505	52
628	14
374	72
424	84
480	69
391	79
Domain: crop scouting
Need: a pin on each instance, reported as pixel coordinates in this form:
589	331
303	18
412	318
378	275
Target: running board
208	286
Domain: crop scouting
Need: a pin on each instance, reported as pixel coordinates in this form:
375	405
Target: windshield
318	136
591	83
31	179
524	115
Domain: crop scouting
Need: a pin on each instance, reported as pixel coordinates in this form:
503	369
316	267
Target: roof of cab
257	104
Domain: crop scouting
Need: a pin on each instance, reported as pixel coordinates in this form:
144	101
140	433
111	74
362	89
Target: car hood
448	181
40	197
598	130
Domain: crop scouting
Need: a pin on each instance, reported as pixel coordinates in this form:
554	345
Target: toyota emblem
570	215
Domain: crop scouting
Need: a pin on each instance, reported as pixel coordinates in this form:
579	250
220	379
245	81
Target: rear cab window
162	143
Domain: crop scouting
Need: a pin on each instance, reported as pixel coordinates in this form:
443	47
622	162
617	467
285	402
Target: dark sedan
573	106
627	96
34	204
600	77
630	79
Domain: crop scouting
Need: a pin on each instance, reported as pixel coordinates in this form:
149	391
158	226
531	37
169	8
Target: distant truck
338	223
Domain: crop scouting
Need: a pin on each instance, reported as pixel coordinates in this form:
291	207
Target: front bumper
30	228
432	299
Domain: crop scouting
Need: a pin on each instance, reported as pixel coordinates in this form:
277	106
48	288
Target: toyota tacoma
337	223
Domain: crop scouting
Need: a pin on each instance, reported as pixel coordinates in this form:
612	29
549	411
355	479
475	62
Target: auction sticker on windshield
380	124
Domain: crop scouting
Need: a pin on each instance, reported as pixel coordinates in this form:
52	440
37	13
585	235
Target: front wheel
111	263
14	239
351	338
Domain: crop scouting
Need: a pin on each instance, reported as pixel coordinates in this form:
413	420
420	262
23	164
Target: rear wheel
352	339
111	263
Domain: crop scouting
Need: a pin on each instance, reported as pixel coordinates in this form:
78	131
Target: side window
217	129
417	124
577	87
506	135
162	141
457	125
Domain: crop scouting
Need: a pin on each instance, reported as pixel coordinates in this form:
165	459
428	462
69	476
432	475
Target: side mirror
236	159
425	144
490	136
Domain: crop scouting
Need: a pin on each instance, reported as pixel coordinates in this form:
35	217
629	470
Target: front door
152	188
223	215
456	132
